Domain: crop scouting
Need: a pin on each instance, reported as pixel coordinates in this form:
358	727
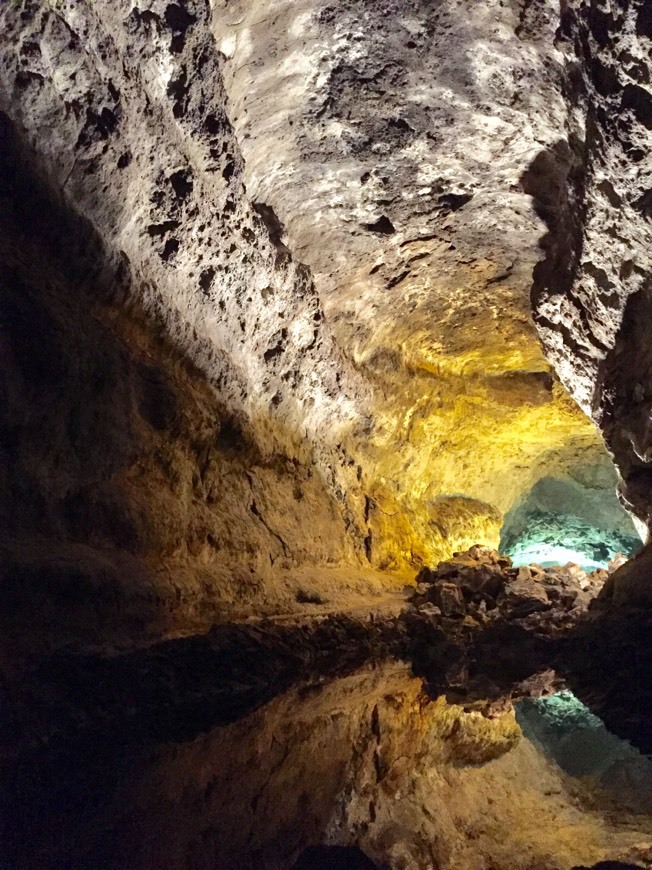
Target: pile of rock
483	632
482	583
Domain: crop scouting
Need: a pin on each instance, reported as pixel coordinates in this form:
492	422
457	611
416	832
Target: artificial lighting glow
548	555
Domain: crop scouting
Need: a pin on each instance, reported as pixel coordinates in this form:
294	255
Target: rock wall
407	374
268	273
133	500
591	293
173	403
578	519
400	133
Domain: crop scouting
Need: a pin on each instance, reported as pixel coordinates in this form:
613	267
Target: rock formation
482	632
351	383
593	189
298	299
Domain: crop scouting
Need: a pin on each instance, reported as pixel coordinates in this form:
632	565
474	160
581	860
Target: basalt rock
484	633
591	292
355	297
493	631
269	346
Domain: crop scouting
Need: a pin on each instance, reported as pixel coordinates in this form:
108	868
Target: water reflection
363	760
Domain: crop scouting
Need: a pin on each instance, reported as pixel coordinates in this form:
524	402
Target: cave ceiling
395	176
321	204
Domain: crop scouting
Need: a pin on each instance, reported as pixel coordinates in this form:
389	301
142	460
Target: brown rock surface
365	759
267	350
380	385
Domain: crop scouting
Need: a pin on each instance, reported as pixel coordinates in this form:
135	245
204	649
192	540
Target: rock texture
579	742
358	305
401	132
365	760
593	189
267	349
134	501
483	632
590	527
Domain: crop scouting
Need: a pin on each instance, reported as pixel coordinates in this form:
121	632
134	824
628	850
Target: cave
325	434
577	519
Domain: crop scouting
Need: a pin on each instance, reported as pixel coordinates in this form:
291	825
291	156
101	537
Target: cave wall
577	518
400	363
591	291
267	348
400	133
279	267
133	501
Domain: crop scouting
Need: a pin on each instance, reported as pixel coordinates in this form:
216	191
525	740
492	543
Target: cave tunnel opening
576	519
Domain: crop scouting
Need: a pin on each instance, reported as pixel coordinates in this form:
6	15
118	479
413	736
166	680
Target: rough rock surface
400	133
484	629
564	729
133	501
412	782
592	526
267	348
382	401
478	630
591	293
97	749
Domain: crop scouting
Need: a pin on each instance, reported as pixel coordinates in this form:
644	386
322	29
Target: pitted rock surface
591	292
269	345
357	295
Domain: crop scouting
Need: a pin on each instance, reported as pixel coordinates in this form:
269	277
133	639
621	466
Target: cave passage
574	519
325	435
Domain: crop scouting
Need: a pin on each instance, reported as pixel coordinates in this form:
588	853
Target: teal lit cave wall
567	732
572	519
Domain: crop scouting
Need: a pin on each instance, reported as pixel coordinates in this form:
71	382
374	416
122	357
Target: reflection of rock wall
565	729
363	760
574	737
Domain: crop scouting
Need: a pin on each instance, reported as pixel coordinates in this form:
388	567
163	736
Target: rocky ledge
484	632
487	631
476	629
